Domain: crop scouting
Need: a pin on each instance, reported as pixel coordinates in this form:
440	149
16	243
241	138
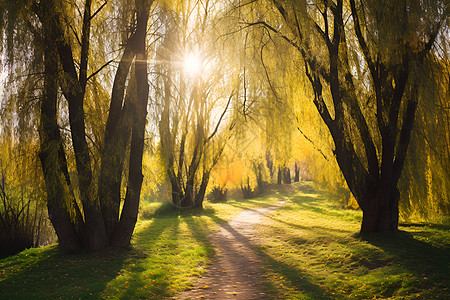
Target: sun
192	64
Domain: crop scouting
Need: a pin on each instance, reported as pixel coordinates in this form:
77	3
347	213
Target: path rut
235	271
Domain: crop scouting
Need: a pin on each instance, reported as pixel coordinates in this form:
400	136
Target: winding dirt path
235	271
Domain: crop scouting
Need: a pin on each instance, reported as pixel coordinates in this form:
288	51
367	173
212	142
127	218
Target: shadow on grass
118	273
430	225
197	229
397	264
60	275
315	228
319	204
295	276
141	277
147	269
418	260
143	270
417	257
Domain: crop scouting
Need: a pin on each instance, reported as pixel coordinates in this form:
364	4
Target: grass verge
313	252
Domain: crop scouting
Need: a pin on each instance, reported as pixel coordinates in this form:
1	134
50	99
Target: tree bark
269	163
73	87
51	153
94	229
296	172
383	212
200	197
259	178
117	132
128	218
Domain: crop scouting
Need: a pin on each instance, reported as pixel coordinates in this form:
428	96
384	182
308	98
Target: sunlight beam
192	64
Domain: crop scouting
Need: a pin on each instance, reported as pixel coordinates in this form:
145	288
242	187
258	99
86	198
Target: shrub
23	224
218	194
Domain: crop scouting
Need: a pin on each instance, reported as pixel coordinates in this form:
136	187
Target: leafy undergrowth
168	250
312	252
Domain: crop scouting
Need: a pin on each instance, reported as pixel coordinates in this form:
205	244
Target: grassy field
310	246
313	252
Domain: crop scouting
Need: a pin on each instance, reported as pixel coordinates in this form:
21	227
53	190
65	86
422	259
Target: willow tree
363	60
193	97
425	182
263	114
85	211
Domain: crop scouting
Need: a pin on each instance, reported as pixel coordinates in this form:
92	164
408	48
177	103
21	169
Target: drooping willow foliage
355	92
426	180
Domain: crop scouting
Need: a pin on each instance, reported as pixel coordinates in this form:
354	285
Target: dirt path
235	272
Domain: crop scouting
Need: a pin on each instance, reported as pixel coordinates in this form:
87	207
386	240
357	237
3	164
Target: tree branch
98	71
76	35
86	32
405	137
98	10
221	117
274	30
434	34
267	75
361	41
312	143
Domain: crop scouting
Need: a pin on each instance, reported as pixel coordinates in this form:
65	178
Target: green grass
313	252
310	246
169	249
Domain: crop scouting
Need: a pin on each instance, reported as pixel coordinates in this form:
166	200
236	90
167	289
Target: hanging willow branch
311	141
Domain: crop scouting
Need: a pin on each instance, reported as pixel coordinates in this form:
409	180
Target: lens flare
192	64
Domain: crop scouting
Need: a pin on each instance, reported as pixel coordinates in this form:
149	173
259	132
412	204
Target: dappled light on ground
235	270
311	240
307	248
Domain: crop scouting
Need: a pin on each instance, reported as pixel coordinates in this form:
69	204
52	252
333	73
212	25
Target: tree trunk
279	176
51	153
200	197
74	90
128	218
259	179
297	173
373	173
269	163
117	132
287	175
383	213
246	190
89	231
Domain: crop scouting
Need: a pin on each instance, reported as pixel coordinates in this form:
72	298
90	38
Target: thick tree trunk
189	194
373	173
279	175
73	87
382	215
117	132
128	218
74	230
59	193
